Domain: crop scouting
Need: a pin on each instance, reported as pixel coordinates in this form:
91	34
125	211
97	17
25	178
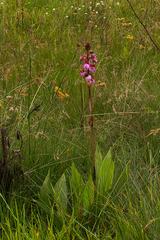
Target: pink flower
83	74
90	79
86	66
91	69
81	58
94	59
93	56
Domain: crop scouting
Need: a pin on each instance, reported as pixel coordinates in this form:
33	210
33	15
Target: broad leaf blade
45	190
88	195
98	161
106	173
77	182
60	190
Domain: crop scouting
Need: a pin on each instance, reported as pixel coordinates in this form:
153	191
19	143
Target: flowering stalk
90	61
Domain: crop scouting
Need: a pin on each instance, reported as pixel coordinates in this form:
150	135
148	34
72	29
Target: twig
36	108
143	26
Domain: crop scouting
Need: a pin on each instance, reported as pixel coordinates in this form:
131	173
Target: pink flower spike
86	66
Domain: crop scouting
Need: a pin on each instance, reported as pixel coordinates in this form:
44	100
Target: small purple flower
91	69
92	81
86	66
83	74
81	58
95	60
93	56
89	78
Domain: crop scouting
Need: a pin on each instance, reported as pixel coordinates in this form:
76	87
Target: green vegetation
40	51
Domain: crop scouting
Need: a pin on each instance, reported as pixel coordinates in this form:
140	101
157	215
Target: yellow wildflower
121	19
102	85
60	94
127	24
130	37
57	89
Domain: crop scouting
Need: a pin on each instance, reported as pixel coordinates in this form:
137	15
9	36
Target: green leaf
77	182
45	190
106	173
98	161
88	195
60	192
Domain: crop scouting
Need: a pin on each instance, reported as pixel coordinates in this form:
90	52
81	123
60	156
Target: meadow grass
39	52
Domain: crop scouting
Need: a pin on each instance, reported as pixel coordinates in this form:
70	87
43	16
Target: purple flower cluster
90	61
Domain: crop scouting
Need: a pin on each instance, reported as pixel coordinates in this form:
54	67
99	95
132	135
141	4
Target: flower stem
92	140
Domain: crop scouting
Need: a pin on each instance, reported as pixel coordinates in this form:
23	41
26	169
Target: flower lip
82	58
83	74
95	60
93	55
92	69
86	66
90	79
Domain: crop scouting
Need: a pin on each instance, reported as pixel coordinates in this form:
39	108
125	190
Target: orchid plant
90	61
87	196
